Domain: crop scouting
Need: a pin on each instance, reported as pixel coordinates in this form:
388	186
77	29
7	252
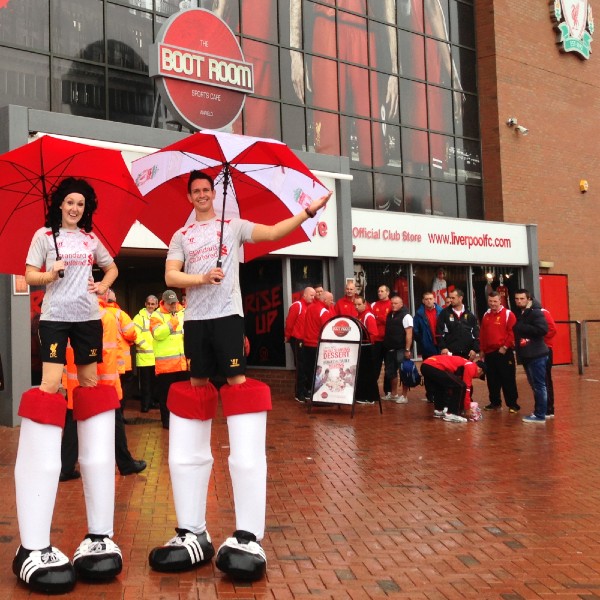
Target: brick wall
535	179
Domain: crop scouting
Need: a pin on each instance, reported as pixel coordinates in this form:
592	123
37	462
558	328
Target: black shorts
215	346
85	338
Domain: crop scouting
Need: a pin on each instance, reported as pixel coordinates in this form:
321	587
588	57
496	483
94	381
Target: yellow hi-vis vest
144	342
168	340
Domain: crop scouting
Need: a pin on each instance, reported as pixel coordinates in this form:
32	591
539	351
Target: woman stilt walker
61	257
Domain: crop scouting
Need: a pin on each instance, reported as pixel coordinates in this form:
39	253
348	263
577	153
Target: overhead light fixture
512	122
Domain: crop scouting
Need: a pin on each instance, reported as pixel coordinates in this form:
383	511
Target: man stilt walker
214	343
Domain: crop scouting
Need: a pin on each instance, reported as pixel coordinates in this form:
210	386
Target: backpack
409	374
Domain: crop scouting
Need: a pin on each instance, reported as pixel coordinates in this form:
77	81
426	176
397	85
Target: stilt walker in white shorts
214	343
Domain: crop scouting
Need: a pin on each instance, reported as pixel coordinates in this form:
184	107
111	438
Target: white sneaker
439	414
454	418
387	396
401	400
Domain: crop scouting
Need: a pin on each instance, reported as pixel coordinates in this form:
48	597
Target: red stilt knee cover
91	401
249	397
193	401
44	408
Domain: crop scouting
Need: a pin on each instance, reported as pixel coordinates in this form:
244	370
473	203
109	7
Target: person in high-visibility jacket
144	352
124	341
170	364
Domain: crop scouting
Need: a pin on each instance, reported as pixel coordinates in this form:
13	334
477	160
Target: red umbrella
257	179
27	176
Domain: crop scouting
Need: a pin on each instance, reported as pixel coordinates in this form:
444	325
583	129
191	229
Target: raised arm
269	233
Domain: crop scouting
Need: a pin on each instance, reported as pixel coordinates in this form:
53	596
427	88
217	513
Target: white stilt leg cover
190	465
248	470
36	481
97	464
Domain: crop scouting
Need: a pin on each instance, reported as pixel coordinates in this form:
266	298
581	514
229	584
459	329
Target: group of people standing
61	258
454	345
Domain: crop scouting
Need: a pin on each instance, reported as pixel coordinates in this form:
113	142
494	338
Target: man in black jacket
529	330
458	329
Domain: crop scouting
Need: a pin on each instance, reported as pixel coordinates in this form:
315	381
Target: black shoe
242	557
185	551
492	407
74	474
98	558
365	402
137	466
48	571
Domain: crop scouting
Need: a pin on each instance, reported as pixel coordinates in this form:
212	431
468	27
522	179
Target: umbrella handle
61	272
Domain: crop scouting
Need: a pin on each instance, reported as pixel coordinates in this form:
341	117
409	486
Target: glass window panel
436	18
417	196
439	277
167	7
321	37
294	127
468	160
77	29
502	279
356	140
25	23
377	9
413	103
228	10
260	21
410	15
380	107
465	64
470	202
415	152
411	48
388	192
439	105
130	97
359	6
323	132
129	34
265	59
78	89
147	4
325	84
305	272
467	121
444	199
354	90
24	78
284	22
380	55
288	91
438	62
387	137
261	118
361	189
352	39
442	160
462	25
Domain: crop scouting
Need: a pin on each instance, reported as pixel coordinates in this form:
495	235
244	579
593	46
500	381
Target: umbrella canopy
257	179
27	176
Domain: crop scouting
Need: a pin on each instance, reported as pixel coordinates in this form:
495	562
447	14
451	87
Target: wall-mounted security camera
512	122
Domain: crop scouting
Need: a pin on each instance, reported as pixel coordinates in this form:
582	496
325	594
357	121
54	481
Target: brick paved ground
399	505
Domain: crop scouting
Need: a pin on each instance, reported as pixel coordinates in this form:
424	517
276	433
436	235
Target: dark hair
199	175
59	192
493	294
524	291
459	293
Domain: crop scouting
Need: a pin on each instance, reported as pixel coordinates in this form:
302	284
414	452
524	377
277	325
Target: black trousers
378	359
163	383
296	346
549	384
147	384
501	376
446	389
309	358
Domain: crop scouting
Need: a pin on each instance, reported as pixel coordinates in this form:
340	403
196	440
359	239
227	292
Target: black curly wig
59	192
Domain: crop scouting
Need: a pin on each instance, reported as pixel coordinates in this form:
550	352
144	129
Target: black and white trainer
98	558
48	571
242	557
185	551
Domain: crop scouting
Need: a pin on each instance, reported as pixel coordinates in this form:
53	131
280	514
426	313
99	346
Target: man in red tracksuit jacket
294	332
450	380
497	343
317	314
